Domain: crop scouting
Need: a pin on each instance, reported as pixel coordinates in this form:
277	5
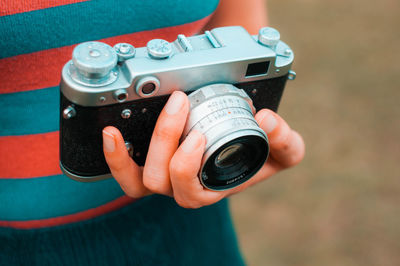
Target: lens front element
229	156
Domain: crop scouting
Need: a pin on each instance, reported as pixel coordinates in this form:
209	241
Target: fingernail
269	123
192	141
108	142
174	103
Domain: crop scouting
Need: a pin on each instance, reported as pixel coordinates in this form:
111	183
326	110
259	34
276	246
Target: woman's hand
171	169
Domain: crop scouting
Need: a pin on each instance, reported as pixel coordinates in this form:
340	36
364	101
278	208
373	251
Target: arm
250	14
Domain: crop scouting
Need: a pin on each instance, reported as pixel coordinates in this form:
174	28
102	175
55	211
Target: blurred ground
340	206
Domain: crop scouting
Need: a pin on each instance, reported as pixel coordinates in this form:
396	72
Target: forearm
250	14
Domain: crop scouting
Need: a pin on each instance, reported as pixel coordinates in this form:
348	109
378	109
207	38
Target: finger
250	102
271	167
164	142
286	148
125	171
286	145
184	168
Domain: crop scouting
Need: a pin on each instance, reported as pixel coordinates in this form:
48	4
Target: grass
340	206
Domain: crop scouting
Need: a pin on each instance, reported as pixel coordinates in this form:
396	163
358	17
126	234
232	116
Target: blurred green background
341	205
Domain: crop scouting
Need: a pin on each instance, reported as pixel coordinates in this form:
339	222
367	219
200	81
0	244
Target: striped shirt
47	218
37	39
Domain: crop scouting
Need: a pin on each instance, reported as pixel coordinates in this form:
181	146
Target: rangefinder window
257	69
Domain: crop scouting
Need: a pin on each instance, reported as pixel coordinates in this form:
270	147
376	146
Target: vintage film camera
127	87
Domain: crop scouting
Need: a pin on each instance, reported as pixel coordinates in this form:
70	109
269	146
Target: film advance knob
94	59
269	36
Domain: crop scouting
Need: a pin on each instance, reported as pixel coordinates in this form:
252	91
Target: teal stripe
153	231
92	20
29	112
52	196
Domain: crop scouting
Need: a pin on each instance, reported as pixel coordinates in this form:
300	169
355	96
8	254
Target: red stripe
11	7
29	156
72	218
42	69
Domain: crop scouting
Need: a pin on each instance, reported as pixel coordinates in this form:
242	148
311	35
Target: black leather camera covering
81	151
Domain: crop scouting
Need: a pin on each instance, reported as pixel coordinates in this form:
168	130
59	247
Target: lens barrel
236	146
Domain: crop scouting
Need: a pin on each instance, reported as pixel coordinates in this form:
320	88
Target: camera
127	87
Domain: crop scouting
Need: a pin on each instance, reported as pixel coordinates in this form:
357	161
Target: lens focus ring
215	103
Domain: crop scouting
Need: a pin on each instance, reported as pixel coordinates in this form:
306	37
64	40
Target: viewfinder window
257	69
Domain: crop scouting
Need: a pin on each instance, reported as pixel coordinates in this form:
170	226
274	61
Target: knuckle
187	204
117	162
296	158
281	139
295	150
132	193
118	165
293	160
262	113
178	168
285	145
155	183
166	131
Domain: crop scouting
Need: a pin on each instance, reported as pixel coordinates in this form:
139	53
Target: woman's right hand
172	169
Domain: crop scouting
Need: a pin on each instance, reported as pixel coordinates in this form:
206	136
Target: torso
66	222
37	38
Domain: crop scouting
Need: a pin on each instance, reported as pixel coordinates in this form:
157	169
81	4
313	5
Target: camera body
127	87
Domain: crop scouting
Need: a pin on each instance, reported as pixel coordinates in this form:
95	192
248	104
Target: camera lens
235	162
236	146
